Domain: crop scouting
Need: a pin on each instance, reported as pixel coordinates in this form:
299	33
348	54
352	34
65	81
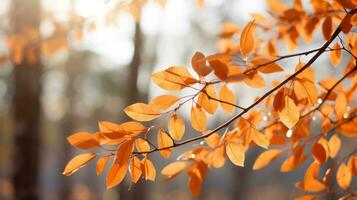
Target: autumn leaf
266	157
235	153
344	176
341	105
119	168
173	169
334	144
199	64
335	55
173	78
164	102
83	140
247	40
196	173
226	95
259	138
327	28
163	141
101	163
78	162
135	169
198	119
142	145
142	112
266	65
290	114
176	127
148	168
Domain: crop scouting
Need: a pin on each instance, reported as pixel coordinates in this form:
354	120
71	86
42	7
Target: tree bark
27	106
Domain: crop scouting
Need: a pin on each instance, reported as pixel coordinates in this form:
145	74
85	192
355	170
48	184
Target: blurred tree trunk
69	120
132	95
27	106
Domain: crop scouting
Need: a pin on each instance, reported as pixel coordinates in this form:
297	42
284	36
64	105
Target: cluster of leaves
282	127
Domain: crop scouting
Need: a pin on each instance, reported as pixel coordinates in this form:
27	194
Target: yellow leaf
334	144
265	65
164	102
142	145
176	127
247	39
235	153
198	119
119	168
173	78
259	138
335	55
290	114
173	169
101	163
341	105
227	95
148	169
266	157
135	169
344	176
199	64
78	162
83	140
163	140
142	112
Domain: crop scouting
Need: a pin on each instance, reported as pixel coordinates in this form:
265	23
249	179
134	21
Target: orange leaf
266	157
311	183
227	95
341	105
176	127
135	169
254	80
306	197
119	168
247	39
327	28
78	162
235	153
319	152
344	176
259	138
142	112
101	163
220	69
196	174
199	64
290	114
148	169
334	144
265	65
335	55
173	78
173	169
142	145
164	102
206	101
132	127
83	140
163	140
198	119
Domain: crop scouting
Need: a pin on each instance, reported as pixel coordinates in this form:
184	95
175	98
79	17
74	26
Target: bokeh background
102	62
